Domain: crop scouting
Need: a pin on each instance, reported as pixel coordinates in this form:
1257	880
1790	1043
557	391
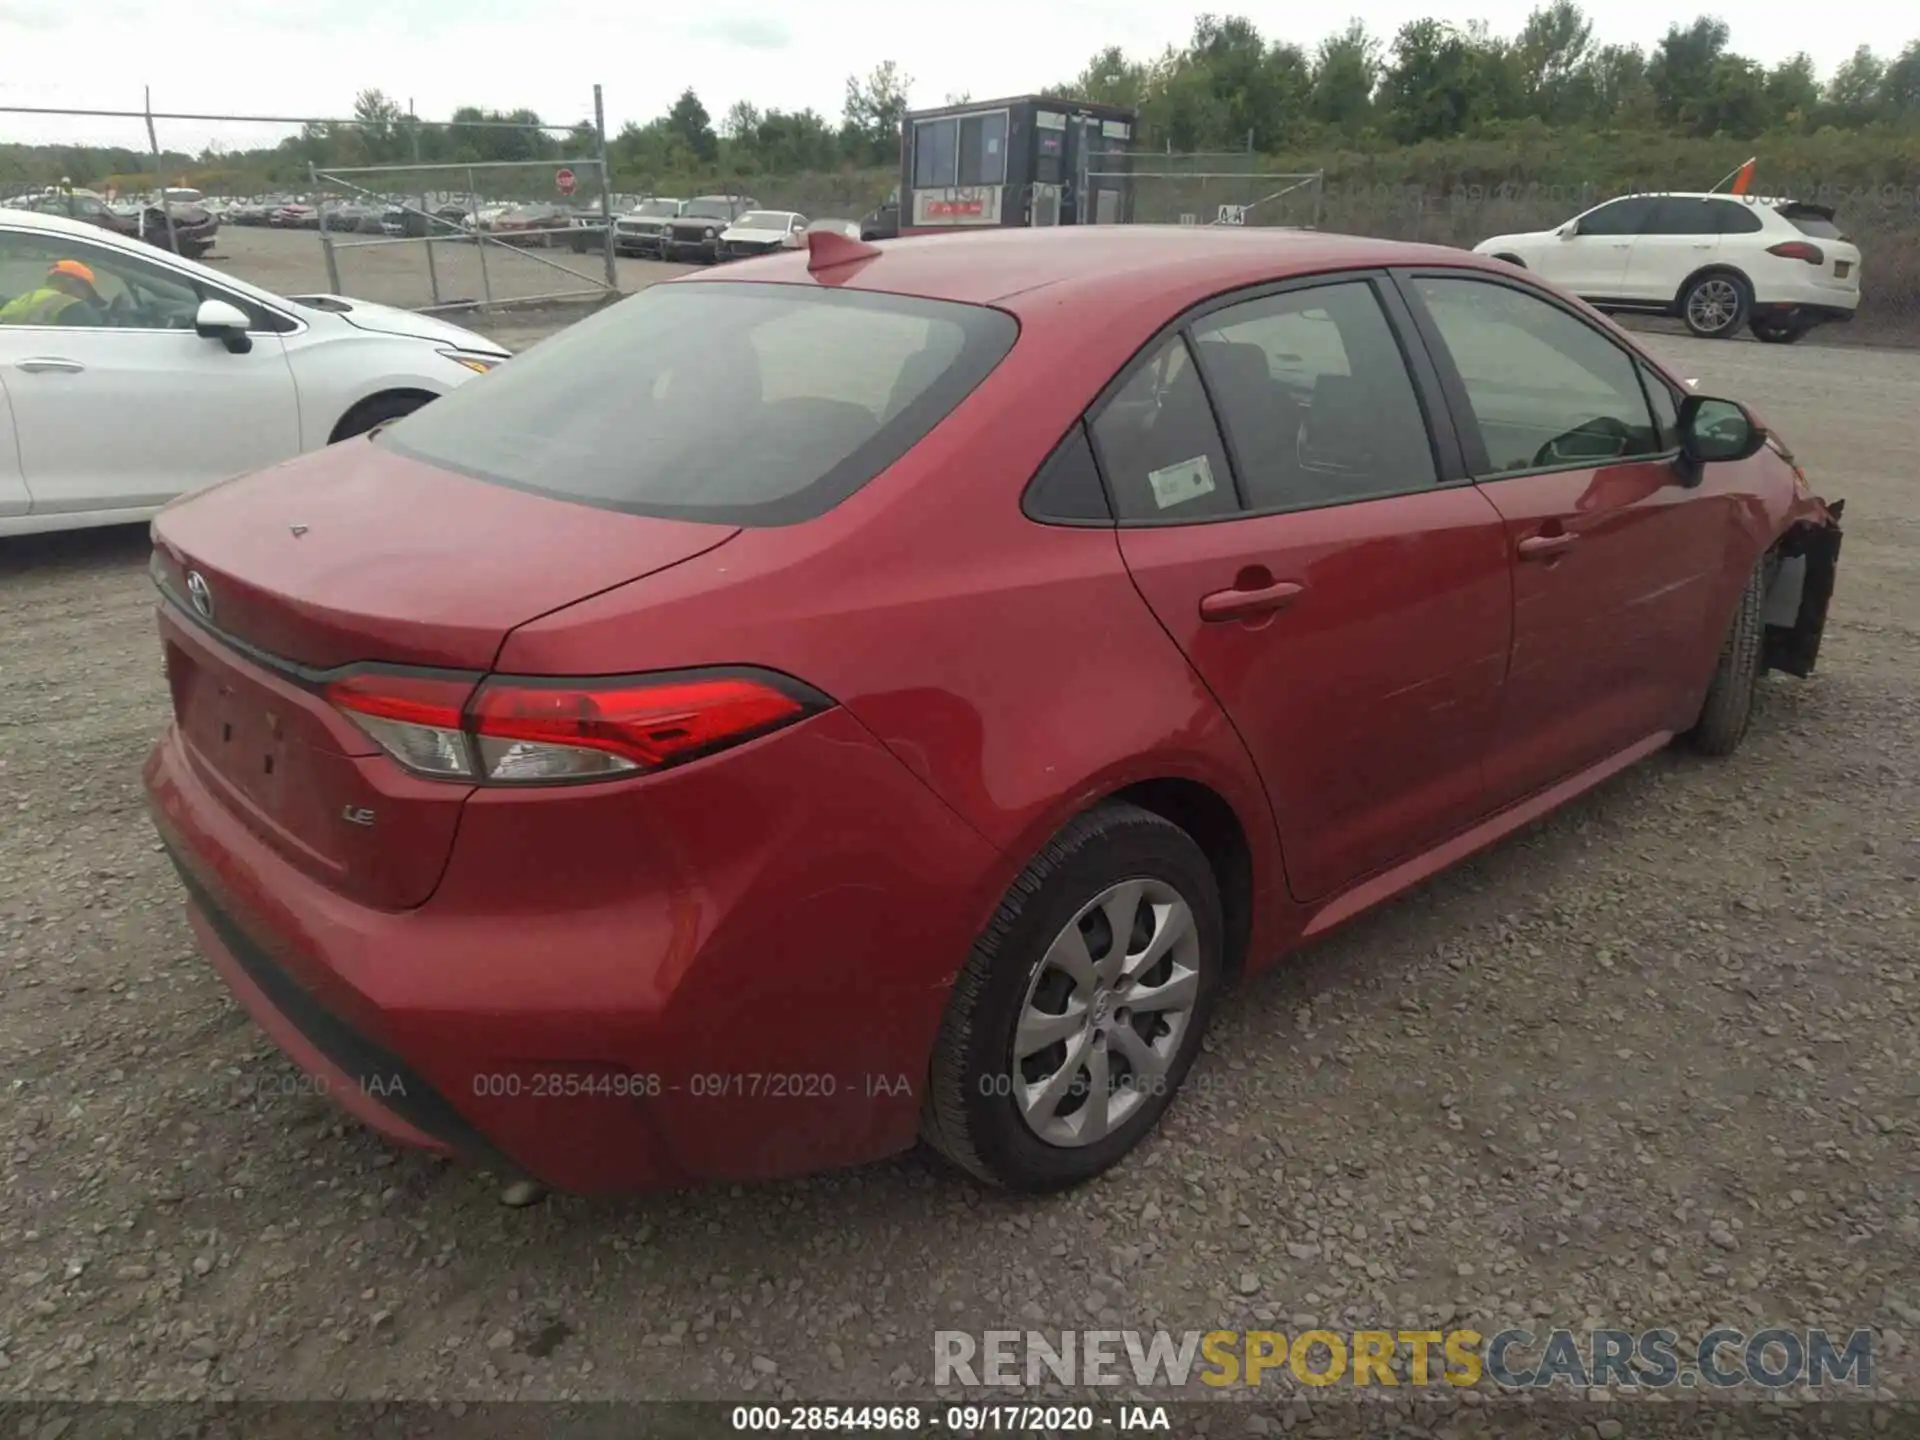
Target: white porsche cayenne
171	375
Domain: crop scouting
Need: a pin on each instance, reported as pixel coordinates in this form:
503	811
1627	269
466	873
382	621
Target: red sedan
872	694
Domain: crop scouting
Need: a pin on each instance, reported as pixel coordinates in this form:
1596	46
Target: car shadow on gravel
74	550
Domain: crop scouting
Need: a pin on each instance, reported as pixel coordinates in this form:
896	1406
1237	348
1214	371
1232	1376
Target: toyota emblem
200	593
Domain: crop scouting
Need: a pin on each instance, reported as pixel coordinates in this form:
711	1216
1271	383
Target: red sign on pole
563	181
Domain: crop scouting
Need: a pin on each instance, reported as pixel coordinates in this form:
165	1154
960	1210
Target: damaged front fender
1807	558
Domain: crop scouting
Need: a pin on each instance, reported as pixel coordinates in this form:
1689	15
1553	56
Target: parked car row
185	227
712	228
1717	262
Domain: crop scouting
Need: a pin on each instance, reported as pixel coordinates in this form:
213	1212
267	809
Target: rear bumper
730	971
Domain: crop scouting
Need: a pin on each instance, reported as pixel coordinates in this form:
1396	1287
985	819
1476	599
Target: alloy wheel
1105	1012
1713	305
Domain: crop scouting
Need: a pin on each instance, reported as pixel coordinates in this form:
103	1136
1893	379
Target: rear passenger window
1683	215
1736	217
1315	398
1159	446
1067	490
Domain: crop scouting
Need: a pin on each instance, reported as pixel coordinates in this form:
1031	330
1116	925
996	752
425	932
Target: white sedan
165	376
760	232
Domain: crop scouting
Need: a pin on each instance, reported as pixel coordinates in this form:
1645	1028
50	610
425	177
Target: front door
1614	561
1591	258
1348	609
118	403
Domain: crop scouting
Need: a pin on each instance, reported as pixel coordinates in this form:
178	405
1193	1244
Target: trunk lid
396	562
357	554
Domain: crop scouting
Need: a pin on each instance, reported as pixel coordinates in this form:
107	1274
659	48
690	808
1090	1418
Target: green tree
1793	92
1900	87
740	121
688	119
1346	72
1681	70
1110	78
379	137
875	108
1552	56
1853	95
1444	80
1736	99
1616	77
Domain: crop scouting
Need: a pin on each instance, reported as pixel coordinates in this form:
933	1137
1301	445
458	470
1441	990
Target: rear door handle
1545	547
50	362
1243	604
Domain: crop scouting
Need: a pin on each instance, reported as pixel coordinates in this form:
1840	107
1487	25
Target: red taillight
1798	250
396	695
416	718
532	730
648	723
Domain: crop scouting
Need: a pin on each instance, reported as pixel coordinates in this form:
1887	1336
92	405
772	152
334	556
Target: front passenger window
123	292
1617	217
1547	389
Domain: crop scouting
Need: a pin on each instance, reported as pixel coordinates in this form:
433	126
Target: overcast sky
309	57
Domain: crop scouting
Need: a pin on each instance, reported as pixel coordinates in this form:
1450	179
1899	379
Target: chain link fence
446	227
1209	188
386	207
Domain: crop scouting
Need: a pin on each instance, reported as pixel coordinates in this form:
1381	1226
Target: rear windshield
736	403
1809	221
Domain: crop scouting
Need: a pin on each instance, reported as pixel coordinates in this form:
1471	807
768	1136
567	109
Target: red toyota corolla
869	694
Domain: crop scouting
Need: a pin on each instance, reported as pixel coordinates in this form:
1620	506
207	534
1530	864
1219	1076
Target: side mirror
217	320
1715	431
1569	230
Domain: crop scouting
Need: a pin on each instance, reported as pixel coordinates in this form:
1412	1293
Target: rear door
135	407
1342	591
1614	559
1680	236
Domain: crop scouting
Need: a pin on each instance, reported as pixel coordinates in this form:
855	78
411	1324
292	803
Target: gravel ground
1653	1062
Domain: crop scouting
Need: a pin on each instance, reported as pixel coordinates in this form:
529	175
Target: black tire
1777	332
969	1115
376	410
1715	305
1736	677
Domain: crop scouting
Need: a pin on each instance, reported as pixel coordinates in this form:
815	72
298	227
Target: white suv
1718	262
